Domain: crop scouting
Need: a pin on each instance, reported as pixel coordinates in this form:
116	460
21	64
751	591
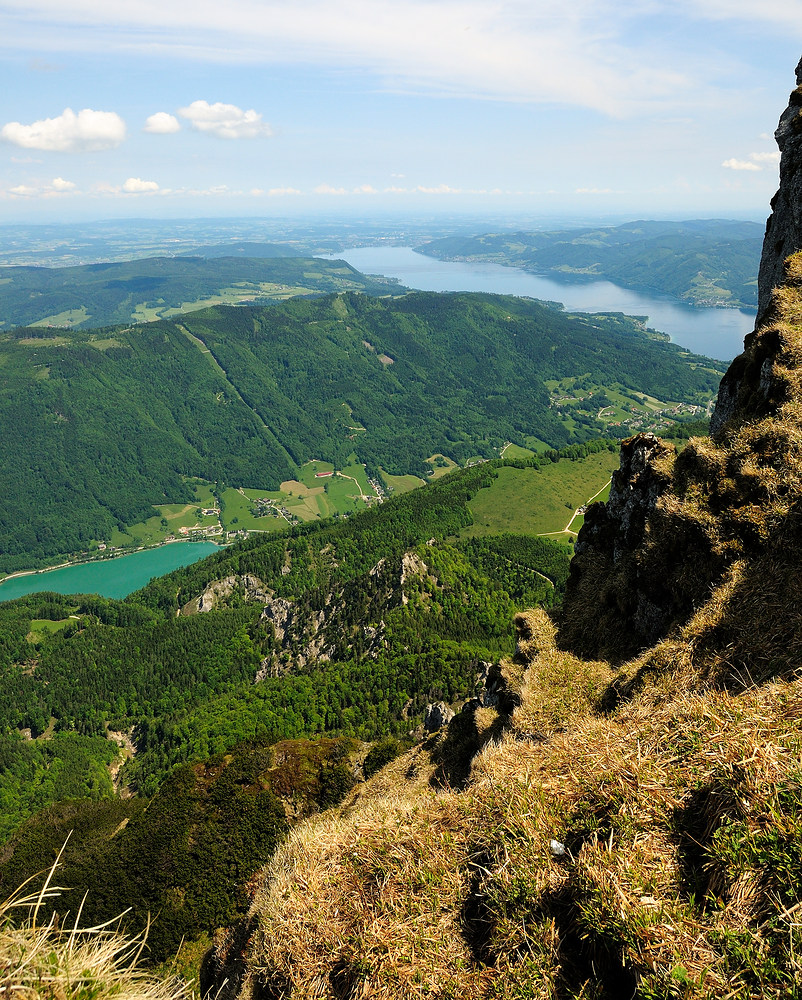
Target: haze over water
717	333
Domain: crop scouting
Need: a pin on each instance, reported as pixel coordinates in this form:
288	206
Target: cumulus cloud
162	123
23	191
226	121
88	131
135	185
328	189
733	164
59	184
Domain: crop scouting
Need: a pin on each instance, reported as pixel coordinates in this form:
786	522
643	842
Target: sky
171	108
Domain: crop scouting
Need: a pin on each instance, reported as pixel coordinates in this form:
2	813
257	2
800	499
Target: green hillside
707	262
137	291
100	426
382	614
71	667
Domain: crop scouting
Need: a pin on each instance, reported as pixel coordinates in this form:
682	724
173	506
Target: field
540	501
242	292
69	317
515	451
320	491
401	484
441	466
523	501
169	519
41	627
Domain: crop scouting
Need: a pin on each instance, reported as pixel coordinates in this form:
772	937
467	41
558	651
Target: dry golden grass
54	961
589	855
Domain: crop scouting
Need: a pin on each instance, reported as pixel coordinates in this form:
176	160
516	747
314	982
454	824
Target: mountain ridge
630	825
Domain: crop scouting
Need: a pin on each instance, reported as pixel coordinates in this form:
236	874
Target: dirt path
567	530
362	496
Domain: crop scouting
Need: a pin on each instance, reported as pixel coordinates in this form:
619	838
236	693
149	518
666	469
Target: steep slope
725	511
629	827
98	427
652	852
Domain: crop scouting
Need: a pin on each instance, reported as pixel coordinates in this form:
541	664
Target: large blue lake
718	333
109	577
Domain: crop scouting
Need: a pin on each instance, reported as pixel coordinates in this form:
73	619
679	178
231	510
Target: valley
524	500
111	431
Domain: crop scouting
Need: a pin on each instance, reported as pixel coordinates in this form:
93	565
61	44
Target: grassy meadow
540	501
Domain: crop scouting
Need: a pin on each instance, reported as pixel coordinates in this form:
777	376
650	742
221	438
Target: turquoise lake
110	577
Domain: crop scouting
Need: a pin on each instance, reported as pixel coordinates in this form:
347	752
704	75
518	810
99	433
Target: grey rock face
784	226
747	386
250	587
618	526
436	717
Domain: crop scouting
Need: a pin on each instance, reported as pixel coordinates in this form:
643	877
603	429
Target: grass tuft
60	960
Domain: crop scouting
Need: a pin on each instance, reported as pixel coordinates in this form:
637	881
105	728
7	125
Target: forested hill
377	616
96	295
99	426
706	262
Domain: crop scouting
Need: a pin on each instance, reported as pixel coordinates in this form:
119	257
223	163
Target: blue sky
171	108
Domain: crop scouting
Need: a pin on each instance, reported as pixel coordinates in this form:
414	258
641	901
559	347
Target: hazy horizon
367	108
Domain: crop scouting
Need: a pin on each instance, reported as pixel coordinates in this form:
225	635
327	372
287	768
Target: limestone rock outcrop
219	592
784	227
677	526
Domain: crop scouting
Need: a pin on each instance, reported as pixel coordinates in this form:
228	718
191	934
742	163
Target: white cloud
765	157
88	131
594	191
226	121
59	184
162	123
733	164
135	185
23	191
328	189
592	53
785	13
365	189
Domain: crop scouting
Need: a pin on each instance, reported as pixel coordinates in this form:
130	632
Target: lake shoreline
716	332
105	575
103	558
